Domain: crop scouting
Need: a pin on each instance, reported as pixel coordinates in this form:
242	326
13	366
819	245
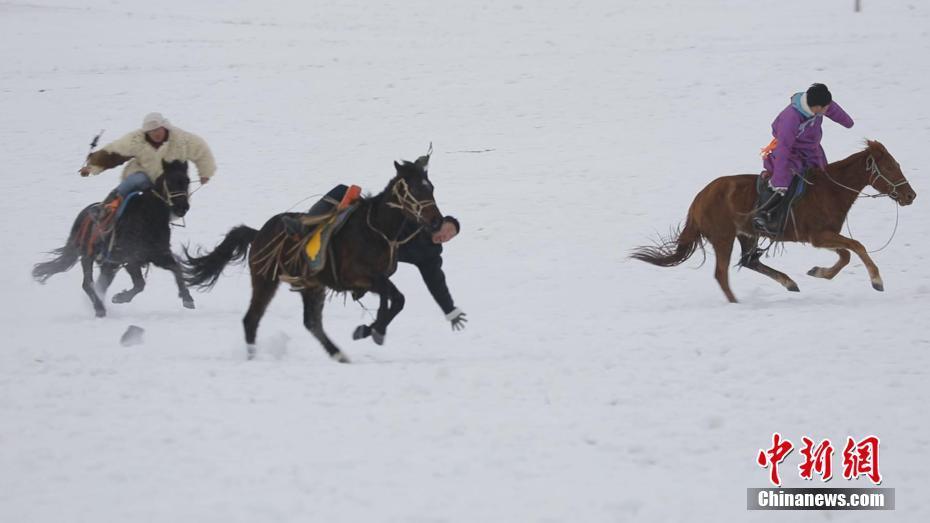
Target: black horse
142	236
361	256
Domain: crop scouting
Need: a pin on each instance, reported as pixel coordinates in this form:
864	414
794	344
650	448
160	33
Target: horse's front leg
138	284
830	272
167	261
837	242
392	302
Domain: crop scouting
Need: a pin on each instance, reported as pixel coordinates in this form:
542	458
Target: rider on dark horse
424	251
793	151
144	149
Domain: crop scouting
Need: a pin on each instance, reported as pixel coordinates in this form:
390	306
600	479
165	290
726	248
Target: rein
405	202
395	243
168	199
871	167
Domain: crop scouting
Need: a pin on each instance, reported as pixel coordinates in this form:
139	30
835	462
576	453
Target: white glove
457	317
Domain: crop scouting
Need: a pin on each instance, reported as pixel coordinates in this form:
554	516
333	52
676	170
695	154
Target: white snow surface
587	387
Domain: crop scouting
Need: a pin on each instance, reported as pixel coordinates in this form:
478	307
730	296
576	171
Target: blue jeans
134	182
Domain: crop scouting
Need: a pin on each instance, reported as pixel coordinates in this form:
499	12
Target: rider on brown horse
794	150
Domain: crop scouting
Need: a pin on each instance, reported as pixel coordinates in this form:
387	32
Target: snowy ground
586	388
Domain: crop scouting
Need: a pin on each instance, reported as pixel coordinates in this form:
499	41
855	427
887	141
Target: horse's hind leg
263	291
166	260
87	265
723	248
830	272
832	240
107	272
753	263
313	320
138	284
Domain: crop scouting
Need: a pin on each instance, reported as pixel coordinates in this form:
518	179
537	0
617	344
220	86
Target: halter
871	166
406	200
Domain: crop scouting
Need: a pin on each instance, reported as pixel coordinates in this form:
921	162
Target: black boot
769	218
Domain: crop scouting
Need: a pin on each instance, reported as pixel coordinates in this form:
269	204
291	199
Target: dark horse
362	256
142	236
722	211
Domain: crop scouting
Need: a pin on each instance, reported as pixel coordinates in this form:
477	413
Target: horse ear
423	161
396	165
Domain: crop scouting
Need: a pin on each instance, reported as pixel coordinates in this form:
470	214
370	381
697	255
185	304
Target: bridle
407	202
871	166
167	196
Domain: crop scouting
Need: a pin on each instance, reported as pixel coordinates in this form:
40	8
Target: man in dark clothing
425	251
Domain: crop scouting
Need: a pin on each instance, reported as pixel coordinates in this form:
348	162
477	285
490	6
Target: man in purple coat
795	150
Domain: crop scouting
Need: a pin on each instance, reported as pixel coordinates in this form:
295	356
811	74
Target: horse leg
138	284
167	261
263	291
107	272
87	264
829	272
313	321
832	240
755	264
723	247
392	302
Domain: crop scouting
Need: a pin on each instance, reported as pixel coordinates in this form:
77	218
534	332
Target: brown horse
362	256
722	211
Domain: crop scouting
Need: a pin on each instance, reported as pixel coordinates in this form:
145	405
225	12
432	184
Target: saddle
99	226
321	222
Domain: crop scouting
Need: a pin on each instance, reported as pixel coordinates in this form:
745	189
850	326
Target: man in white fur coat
145	149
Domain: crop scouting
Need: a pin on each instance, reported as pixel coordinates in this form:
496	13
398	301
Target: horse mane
873	147
403	167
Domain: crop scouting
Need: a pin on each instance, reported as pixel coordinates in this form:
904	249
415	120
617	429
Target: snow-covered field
587	387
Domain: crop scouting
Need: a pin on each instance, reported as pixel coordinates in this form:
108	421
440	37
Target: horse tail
674	249
67	256
203	271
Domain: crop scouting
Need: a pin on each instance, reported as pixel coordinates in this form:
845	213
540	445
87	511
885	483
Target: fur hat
153	121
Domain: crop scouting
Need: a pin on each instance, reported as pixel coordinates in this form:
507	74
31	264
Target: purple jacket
798	133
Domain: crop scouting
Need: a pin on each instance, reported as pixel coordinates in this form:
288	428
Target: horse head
885	174
172	187
411	191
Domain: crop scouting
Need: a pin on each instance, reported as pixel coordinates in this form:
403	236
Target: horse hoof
793	287
377	337
360	332
100	313
121	298
250	352
188	304
815	272
340	357
879	286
